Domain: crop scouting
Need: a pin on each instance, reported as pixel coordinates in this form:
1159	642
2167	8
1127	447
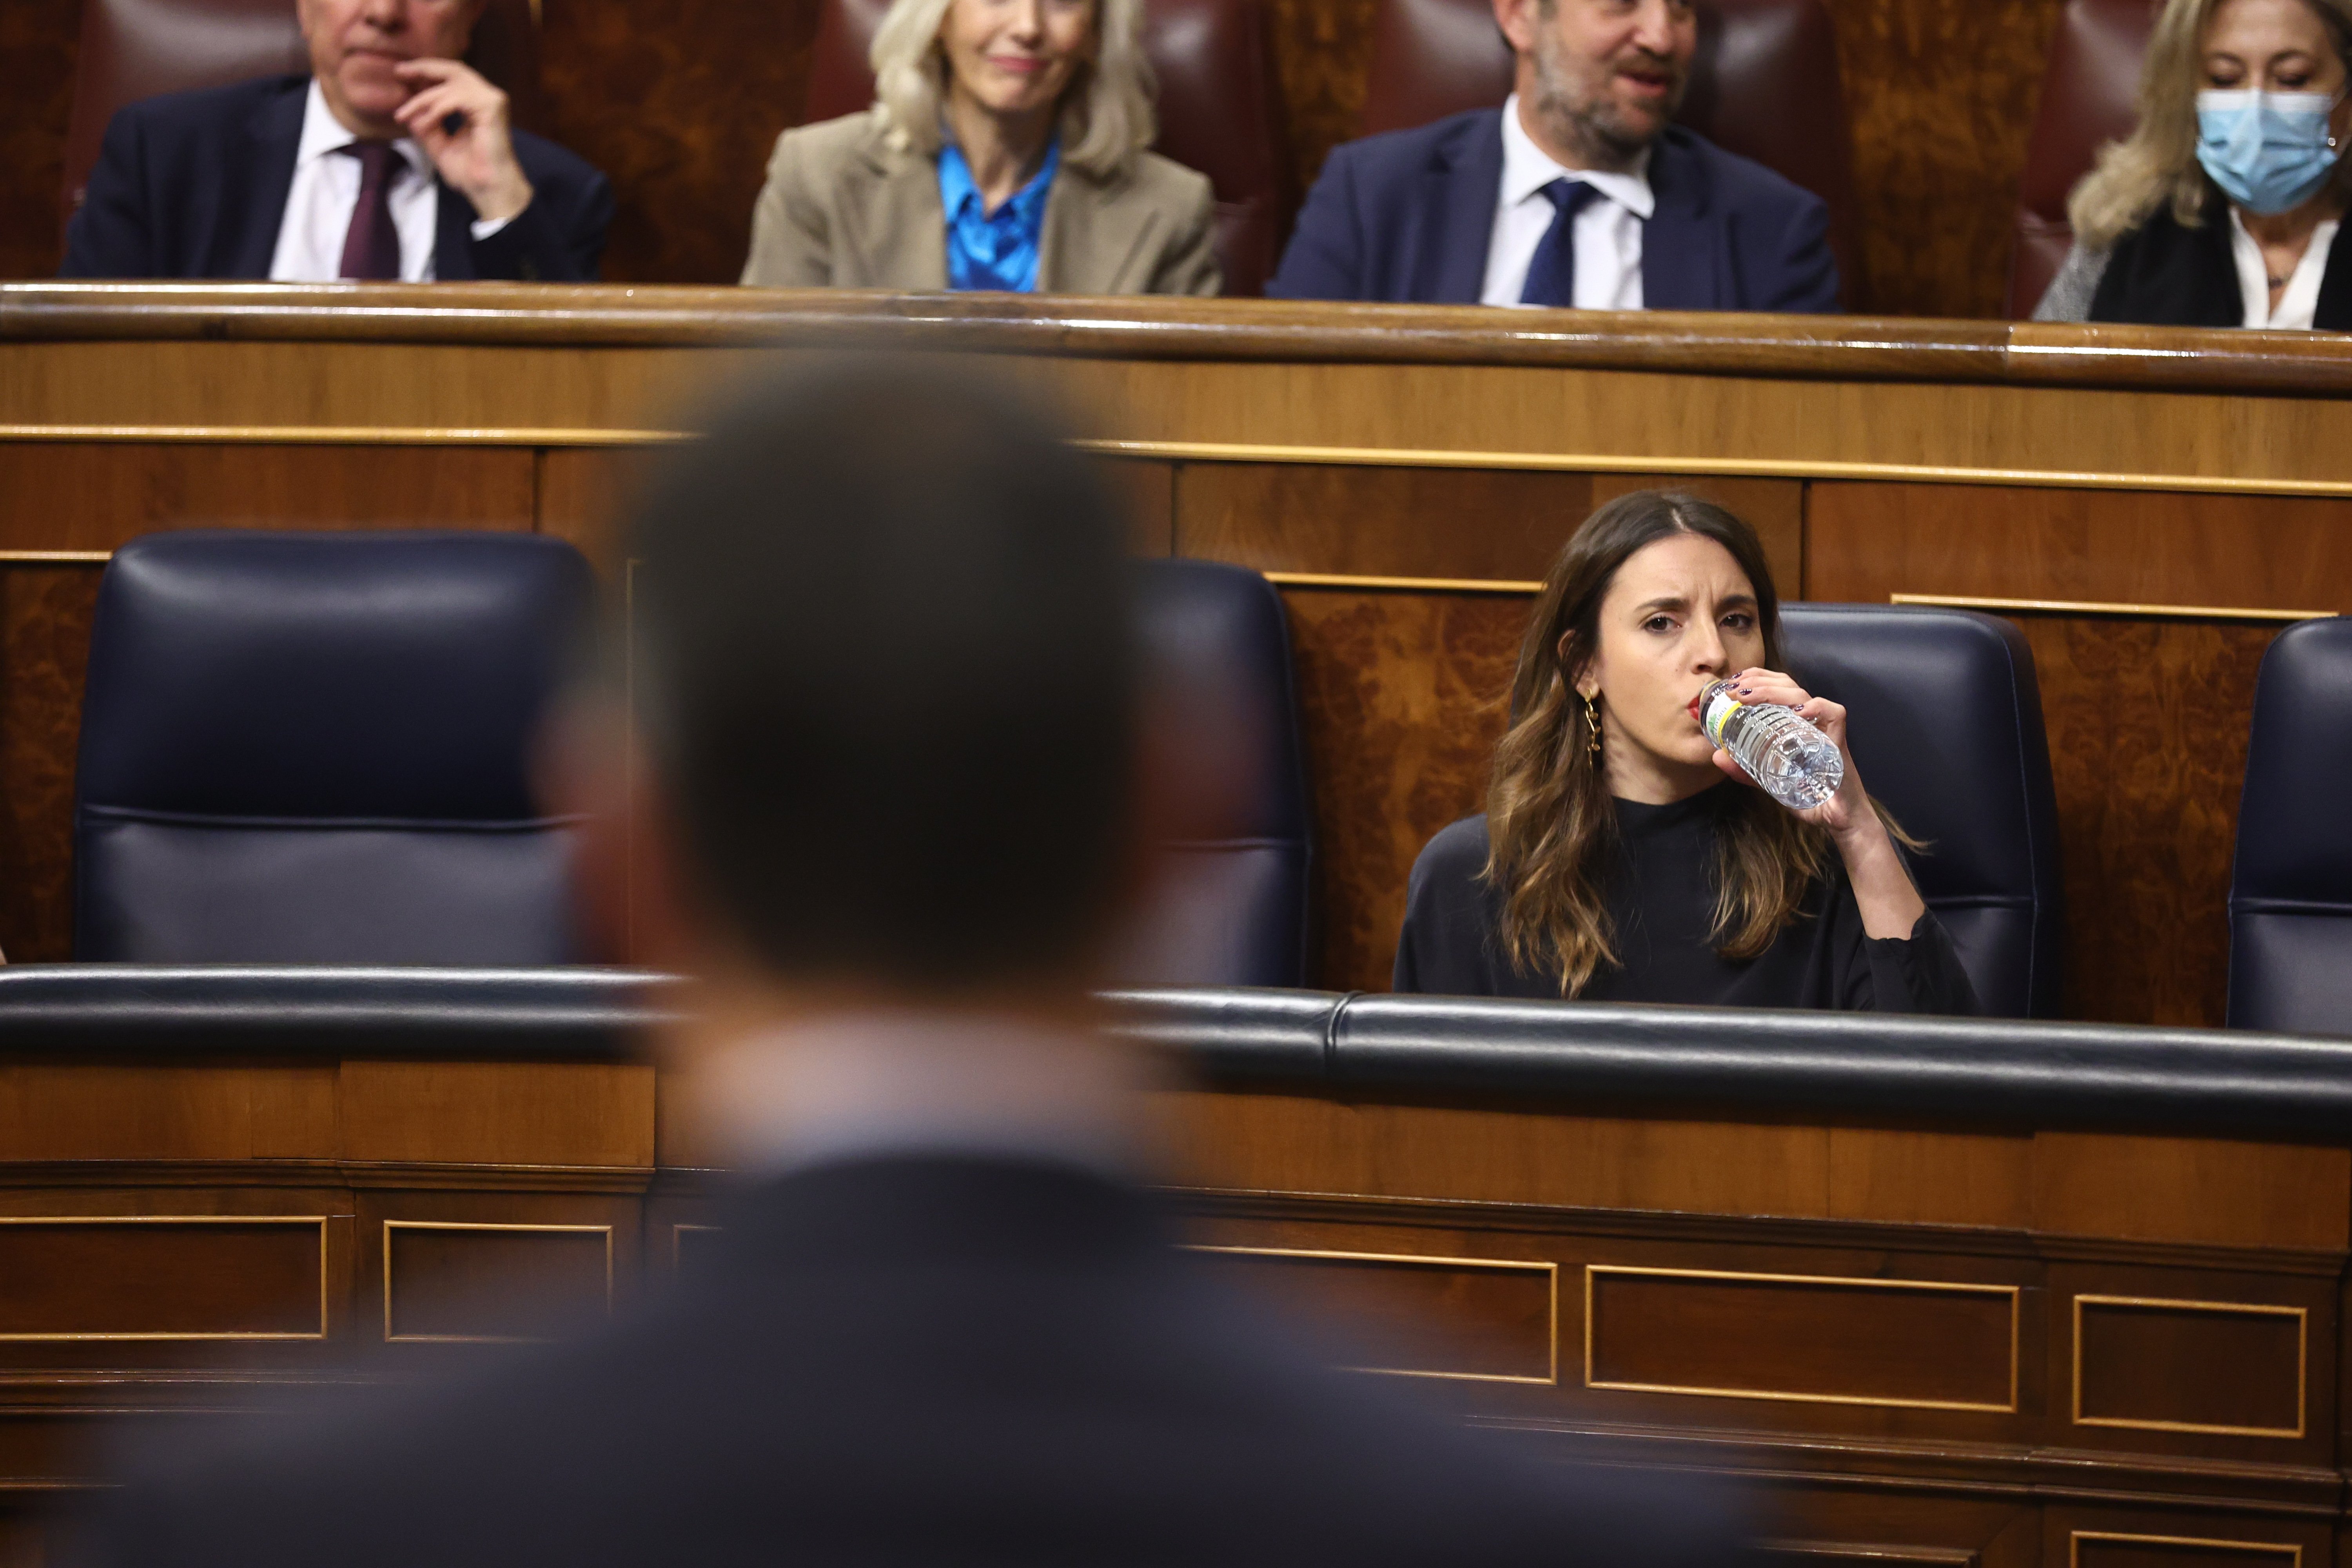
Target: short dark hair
884	664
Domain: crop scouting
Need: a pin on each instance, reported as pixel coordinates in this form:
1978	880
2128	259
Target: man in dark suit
392	160
898	790
1579	191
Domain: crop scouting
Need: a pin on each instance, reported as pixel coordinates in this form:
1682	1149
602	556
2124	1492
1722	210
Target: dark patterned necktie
371	244
1551	275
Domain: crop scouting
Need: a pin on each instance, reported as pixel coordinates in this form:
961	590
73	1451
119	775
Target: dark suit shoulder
209	108
1733	182
1391	154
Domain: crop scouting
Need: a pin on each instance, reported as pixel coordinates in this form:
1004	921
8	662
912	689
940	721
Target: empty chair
1765	84
1220	651
2291	886
311	748
1220	112
1948	732
2090	93
133	49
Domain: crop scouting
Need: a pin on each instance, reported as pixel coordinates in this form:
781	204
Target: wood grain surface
1401	699
1860	1317
681	117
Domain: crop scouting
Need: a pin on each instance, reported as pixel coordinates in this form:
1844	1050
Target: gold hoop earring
1593	717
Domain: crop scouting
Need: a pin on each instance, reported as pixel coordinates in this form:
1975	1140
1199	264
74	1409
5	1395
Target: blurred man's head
884	672
1599	79
355	44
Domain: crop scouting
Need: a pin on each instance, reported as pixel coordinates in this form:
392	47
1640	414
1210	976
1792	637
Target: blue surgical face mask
2269	151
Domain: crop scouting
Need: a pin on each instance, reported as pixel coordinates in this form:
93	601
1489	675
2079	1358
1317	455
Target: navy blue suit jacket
193	184
1406	216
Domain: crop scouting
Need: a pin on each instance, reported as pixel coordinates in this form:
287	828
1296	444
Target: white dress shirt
326	192
1608	232
2300	302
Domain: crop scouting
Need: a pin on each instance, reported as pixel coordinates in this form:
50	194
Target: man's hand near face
461	121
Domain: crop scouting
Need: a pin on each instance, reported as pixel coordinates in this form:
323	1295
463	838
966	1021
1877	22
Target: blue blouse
999	249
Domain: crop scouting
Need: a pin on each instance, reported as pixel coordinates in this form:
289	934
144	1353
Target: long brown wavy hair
1551	829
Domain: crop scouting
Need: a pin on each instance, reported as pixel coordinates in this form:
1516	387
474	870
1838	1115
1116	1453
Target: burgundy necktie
371	244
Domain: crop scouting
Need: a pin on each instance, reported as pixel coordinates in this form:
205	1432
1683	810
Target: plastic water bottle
1796	765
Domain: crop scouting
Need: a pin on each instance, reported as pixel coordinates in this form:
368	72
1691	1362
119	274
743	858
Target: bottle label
1717	713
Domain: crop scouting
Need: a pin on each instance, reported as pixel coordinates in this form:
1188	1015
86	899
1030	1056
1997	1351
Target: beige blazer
843	208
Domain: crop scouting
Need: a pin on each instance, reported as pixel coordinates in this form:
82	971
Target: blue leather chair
1218	636
310	748
2291	886
1946	725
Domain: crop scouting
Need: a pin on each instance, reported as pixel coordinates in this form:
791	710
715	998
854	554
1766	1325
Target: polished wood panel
456	1281
218	1111
2103	1549
1766	1254
1452	1318
555	1113
45	615
90	496
1401	699
1833	1342
1379	521
175	1278
1275	1141
2182	1365
2151	546
2199	1189
583	495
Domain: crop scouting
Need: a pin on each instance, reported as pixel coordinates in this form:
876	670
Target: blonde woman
1007	149
1616	861
2222	207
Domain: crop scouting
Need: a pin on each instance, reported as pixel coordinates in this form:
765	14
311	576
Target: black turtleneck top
1662	902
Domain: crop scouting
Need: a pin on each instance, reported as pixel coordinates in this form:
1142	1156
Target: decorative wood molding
317	1224
1549	1270
391	1225
1153	327
2091	607
1595	1272
1401	585
2300	1317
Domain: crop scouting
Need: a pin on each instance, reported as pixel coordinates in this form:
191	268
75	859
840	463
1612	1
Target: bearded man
1579	191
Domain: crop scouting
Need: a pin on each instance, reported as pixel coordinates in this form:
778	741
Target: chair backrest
1220	647
2090	92
1946	725
1220	110
2291	886
311	748
133	49
1765	84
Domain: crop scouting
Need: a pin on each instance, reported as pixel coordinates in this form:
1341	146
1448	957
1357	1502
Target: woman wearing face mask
2222	208
1616	861
1006	149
